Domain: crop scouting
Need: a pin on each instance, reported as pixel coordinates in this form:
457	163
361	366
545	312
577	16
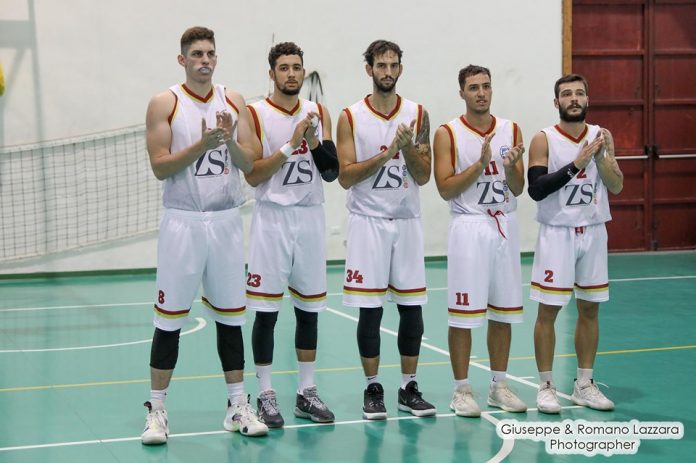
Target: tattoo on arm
423	136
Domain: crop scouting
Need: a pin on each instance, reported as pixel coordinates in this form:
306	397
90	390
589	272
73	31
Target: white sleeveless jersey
391	192
298	182
583	200
212	182
490	192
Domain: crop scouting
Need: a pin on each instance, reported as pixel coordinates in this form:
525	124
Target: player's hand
212	138
588	150
486	150
311	133
513	155
223	120
299	134
608	149
404	134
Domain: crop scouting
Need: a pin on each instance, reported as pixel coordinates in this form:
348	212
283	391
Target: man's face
572	102
288	74
385	71
200	60
477	93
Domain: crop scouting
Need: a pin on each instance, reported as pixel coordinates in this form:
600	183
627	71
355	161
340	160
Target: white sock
263	374
584	374
235	392
546	376
498	376
407	378
372	379
460	382
157	397
306	375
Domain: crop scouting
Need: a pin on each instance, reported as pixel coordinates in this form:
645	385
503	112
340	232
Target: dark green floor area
74	357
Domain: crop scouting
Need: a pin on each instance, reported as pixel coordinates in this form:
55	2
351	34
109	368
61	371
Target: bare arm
417	156
449	184
607	166
164	163
351	171
514	165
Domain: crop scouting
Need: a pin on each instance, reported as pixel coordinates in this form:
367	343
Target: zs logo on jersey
390	177
297	172
579	194
213	163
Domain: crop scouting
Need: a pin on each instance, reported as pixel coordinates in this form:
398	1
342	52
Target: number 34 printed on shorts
353	276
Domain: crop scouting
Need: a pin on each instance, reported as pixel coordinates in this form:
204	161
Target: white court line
486	415
201	324
127	304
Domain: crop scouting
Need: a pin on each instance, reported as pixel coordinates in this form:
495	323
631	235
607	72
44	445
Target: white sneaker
588	394
547	401
501	396
463	403
242	417
156	426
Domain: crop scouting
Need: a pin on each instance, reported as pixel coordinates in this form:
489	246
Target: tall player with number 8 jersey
382	168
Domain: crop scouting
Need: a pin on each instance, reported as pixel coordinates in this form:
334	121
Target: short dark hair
567	79
380	47
192	34
284	48
471	70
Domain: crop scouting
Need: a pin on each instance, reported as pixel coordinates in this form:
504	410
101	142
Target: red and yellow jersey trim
594	288
307	297
194	96
364	291
471	128
453	146
292	112
171	314
386	117
550	289
413	292
227	312
259	296
466	313
257	123
569	136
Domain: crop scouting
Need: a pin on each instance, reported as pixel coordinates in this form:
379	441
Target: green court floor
74	354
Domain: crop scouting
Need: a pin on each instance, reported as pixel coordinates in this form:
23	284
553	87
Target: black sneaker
411	400
373	403
310	406
268	409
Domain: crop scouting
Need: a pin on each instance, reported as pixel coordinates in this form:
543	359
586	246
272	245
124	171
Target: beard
384	87
563	114
289	91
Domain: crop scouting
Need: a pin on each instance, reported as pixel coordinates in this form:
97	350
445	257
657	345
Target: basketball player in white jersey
384	155
479	170
287	230
571	167
199	137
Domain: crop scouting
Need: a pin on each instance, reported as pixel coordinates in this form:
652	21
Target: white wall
74	67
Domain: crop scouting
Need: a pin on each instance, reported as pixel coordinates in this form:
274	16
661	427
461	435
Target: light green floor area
74	355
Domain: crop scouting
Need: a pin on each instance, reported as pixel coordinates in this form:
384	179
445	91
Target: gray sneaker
310	406
588	394
269	413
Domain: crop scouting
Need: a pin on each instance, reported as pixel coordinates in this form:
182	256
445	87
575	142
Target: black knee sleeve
230	347
165	349
262	337
305	330
368	331
410	330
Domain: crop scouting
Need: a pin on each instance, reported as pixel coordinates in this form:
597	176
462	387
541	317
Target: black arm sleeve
326	159
542	184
